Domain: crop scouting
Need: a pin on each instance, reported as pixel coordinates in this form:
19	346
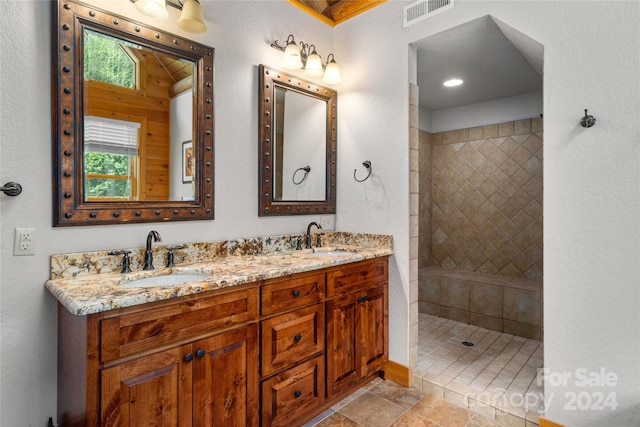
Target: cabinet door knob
296	293
200	353
298	337
297	394
188	357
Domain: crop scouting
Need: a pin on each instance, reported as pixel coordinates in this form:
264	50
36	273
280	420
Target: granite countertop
87	292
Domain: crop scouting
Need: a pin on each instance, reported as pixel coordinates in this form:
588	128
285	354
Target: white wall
181	131
592	177
501	110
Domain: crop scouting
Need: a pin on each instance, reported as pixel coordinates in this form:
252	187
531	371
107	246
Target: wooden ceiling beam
317	5
346	9
333	12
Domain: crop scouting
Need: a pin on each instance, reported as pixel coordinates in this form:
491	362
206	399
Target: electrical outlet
328	222
25	241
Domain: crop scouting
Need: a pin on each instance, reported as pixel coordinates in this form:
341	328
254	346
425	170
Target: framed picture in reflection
187	162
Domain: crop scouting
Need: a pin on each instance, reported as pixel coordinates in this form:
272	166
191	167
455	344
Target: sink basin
332	253
166	280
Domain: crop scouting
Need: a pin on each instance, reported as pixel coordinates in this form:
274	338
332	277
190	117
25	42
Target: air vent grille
423	9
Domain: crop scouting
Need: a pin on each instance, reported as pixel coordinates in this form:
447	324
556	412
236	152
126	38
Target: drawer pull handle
296	293
297	394
188	357
200	353
298	337
363	299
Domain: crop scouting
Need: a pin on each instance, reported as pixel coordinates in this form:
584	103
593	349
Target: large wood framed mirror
297	145
132	121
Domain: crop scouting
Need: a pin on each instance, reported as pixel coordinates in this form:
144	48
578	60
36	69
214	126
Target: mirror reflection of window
110	159
109	60
300	141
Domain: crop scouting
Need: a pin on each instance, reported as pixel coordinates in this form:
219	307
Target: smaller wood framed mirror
297	145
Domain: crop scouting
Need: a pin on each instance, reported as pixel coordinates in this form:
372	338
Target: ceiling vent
423	9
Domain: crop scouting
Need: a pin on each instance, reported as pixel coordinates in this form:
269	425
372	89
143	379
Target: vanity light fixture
305	56
453	82
191	19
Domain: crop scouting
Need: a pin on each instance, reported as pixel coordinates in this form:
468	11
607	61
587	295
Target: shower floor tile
496	376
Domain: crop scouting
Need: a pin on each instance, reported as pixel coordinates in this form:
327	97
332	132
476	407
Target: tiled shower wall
484	208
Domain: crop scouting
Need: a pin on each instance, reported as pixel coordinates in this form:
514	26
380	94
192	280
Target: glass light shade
332	74
291	58
154	8
192	18
314	65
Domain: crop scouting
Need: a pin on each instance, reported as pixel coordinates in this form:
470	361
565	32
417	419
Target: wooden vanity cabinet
274	353
357	318
187	362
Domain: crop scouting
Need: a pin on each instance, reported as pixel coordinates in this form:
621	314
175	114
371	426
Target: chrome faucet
148	253
308	245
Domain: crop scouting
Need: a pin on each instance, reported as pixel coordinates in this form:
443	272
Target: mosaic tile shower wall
485	204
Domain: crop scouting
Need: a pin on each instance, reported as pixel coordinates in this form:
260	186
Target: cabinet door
342	345
357	337
151	391
225	379
372	327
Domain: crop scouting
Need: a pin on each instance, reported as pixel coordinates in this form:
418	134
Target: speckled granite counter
87	283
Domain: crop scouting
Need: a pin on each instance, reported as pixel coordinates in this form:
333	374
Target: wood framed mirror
133	127
297	145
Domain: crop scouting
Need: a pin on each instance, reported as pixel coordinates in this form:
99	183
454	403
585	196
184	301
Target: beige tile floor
496	377
384	403
492	383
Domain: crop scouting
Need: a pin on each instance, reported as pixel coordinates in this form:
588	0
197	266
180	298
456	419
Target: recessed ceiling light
453	82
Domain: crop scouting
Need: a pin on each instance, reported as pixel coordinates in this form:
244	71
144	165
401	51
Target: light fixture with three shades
305	56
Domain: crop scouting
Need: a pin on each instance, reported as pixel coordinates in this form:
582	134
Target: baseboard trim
397	373
543	422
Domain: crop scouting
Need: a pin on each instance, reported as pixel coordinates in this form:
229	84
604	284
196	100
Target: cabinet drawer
137	331
356	276
289	394
278	295
290	337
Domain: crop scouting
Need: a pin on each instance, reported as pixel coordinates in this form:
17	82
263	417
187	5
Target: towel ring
366	164
306	170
